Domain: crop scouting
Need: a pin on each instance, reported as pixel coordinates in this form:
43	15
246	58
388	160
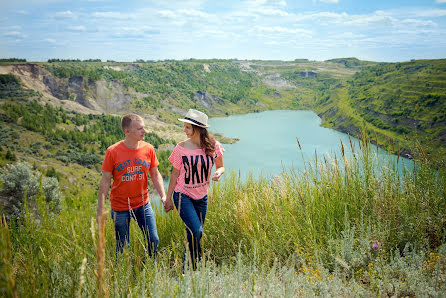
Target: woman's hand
167	203
220	168
216	176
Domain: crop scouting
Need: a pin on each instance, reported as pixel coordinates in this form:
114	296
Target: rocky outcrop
308	74
276	81
110	96
74	93
208	101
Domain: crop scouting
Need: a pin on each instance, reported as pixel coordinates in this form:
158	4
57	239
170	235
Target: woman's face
188	130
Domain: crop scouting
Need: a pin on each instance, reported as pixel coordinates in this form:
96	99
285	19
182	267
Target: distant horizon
380	31
198	59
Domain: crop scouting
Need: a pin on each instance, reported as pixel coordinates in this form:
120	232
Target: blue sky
380	30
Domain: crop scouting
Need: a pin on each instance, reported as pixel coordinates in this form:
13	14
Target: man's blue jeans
145	218
193	214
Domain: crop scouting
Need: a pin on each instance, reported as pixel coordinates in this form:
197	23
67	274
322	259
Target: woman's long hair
207	140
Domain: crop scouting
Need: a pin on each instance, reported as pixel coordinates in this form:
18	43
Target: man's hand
167	203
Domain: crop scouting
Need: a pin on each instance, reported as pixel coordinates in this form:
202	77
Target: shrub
20	182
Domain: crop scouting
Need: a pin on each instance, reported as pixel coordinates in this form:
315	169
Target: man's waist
126	197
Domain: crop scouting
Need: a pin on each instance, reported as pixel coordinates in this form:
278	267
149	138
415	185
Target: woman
192	166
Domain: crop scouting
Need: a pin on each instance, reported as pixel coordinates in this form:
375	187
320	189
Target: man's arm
173	181
158	183
104	187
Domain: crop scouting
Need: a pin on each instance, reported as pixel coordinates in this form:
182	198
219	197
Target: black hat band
194	121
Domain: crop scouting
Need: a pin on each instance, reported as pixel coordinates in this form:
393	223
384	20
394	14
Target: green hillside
405	102
217	87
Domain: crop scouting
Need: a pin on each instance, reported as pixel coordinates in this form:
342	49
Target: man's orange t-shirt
130	169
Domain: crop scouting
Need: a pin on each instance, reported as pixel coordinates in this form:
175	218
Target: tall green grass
341	227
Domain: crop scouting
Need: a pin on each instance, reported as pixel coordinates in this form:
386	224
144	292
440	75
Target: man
128	163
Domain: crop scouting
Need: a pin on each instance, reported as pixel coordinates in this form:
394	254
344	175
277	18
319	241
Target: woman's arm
220	168
173	181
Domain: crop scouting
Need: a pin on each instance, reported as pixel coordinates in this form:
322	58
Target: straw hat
196	118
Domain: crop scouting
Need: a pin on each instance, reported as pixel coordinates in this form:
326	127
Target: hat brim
193	123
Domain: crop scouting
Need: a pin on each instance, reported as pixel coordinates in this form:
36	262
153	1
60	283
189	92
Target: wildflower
375	245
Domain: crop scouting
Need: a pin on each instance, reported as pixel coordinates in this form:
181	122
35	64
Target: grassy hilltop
341	227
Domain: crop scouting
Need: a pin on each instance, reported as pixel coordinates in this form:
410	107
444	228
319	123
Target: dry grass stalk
298	143
8	256
421	151
82	277
100	253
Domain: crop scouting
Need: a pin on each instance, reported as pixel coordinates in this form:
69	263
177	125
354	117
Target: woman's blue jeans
193	214
145	218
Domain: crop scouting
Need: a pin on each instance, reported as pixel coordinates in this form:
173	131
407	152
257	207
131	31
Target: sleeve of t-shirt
107	164
219	150
175	158
153	160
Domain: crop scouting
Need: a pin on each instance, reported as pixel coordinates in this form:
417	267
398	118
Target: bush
20	182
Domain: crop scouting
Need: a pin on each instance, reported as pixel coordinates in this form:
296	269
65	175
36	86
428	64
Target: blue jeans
145	218
193	214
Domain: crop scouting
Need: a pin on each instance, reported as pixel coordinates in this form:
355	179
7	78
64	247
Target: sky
376	30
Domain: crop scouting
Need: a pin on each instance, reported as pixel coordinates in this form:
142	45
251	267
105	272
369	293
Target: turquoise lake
268	141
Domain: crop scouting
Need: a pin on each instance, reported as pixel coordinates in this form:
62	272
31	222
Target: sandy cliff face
53	90
74	93
81	95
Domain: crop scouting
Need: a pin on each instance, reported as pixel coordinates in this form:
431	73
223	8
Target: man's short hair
126	121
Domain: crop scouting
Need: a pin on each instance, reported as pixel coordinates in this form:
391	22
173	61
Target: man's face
136	130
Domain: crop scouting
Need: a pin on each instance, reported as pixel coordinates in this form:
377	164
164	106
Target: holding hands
167	203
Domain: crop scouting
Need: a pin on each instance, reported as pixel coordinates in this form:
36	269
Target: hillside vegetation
403	104
399	102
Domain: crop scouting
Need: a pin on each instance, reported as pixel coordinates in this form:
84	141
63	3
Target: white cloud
135	32
77	28
271	12
348	35
279	30
320	17
419	23
50	40
65	15
440	1
329	1
375	20
180	3
193	13
219	34
168	14
431	13
114	15
272	3
16	34
24	12
413	32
